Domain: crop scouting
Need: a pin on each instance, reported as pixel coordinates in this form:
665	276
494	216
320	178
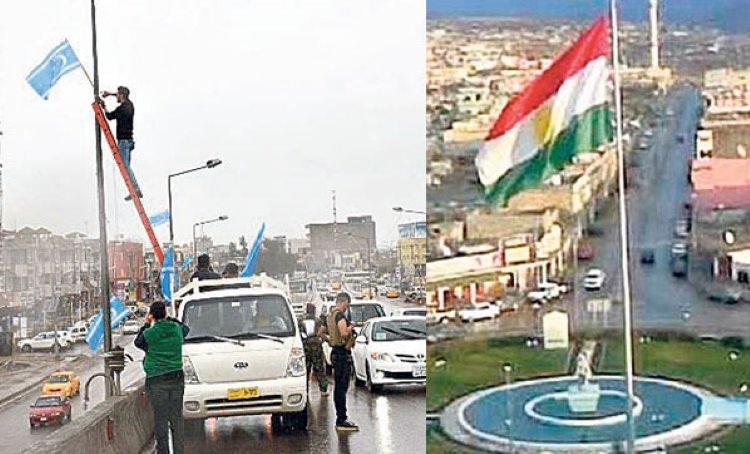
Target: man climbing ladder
124	114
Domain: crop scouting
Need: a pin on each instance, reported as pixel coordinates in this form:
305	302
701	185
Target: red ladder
102	120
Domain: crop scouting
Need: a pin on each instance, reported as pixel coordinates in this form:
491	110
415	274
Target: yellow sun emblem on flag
543	130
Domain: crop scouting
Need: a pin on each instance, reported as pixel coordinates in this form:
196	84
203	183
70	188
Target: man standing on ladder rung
124	115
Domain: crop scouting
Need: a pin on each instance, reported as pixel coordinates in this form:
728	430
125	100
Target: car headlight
296	365
187	368
382	357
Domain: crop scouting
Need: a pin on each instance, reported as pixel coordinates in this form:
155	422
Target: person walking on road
124	114
341	334
161	338
203	270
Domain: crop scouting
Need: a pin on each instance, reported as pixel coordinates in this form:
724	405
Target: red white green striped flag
564	111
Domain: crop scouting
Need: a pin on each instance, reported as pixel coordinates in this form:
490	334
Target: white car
78	333
359	312
547	291
594	279
42	341
409	311
131	327
66	334
681	229
389	351
244	353
435	317
480	311
679	249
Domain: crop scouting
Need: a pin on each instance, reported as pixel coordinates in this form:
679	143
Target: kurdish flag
564	111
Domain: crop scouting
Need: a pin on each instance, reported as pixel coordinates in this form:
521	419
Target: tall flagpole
628	322
103	252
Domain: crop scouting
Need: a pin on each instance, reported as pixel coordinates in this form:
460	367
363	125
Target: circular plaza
537	416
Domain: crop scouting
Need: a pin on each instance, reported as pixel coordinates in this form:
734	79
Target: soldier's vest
334	335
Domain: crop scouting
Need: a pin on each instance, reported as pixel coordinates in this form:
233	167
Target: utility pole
103	254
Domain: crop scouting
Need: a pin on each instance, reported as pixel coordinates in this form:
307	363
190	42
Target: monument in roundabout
583	397
586	413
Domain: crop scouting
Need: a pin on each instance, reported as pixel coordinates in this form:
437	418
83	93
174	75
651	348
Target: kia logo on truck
240	365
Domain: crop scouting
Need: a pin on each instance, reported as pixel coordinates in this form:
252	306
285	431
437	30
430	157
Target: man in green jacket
161	338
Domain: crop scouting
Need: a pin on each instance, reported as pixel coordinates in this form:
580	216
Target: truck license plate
242	393
420	370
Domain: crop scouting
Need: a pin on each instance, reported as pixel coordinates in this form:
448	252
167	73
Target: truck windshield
298	286
235	316
360	313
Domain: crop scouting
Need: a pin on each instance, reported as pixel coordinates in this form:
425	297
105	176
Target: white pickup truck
243	354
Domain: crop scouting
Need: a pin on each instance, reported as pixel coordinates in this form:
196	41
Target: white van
244	353
78	333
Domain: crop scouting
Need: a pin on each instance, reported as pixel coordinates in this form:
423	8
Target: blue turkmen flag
167	274
185	263
60	61
159	218
253	253
117	313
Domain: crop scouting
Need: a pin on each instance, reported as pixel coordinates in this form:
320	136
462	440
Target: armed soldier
341	337
314	354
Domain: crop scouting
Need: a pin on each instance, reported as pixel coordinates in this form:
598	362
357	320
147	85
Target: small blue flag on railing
252	255
117	313
60	61
167	274
159	218
185	263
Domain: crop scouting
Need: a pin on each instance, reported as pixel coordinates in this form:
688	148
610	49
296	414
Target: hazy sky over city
297	98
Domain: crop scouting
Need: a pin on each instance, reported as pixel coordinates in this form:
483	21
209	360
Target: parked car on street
682	229
480	311
390	351
647	256
547	291
440	317
42	341
585	251
594	279
131	327
50	410
65	383
679	248
78	333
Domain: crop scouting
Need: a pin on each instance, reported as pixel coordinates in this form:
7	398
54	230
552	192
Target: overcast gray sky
296	97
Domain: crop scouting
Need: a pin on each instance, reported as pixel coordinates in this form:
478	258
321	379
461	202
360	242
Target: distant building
39	266
126	268
412	251
334	245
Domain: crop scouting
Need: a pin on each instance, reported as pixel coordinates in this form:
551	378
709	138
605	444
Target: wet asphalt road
14	417
655	203
391	422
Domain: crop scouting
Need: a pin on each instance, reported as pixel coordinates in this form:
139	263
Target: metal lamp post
406	210
210	164
507	369
195	245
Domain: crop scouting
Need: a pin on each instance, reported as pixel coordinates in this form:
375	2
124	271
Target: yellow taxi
336	286
63	383
392	293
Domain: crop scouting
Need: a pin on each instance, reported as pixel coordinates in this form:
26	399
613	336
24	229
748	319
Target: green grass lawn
705	363
474	365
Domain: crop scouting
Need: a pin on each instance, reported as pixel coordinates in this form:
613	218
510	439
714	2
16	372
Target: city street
391	421
14	416
655	202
